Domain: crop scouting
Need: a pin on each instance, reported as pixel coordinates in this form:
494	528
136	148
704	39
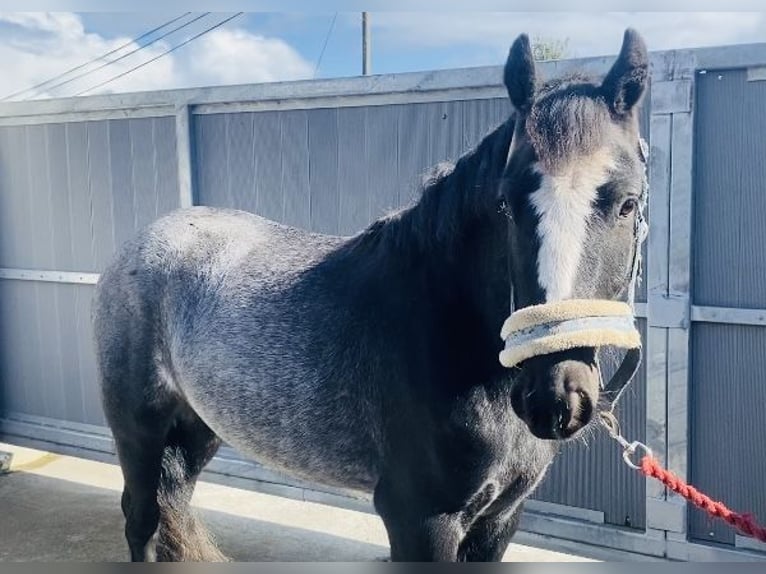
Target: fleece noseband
593	323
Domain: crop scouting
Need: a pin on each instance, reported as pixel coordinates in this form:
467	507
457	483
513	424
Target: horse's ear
626	82
520	77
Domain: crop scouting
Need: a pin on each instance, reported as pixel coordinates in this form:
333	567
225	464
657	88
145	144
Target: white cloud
589	33
38	46
231	56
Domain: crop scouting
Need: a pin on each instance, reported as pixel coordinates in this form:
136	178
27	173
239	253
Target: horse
369	362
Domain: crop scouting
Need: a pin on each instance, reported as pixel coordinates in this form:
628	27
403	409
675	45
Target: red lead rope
650	466
745	523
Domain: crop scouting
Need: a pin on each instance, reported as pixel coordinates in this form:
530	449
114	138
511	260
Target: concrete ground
60	508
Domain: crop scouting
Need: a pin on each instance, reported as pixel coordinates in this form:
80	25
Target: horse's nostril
580	399
572	412
562	415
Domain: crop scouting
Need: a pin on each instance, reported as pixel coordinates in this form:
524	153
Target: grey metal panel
729	269
413	146
368	140
323	170
382	163
207	155
8	204
86	360
142	171
239	169
100	193
165	165
66	185
445	131
15	234
590	473
80	216
753	230
482	116
48	381
353	200
267	131
295	169
16	308
65	323
154	186
727	397
123	200
59	196
729	260
48	366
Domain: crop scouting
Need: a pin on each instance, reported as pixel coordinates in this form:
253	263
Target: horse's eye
628	207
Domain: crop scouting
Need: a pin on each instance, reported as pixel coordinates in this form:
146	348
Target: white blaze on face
563	204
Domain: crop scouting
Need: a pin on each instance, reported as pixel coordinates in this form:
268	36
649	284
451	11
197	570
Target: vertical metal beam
679	289
669	297
366	53
679	359
184	156
657	287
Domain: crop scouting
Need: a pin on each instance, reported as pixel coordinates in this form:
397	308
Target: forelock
569	119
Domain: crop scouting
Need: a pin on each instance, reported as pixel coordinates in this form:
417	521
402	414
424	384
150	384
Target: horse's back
211	239
205	250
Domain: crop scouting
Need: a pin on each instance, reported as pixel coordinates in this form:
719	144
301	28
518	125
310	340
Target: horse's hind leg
140	453
189	447
161	462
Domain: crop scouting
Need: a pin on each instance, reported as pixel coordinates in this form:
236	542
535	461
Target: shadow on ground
58	520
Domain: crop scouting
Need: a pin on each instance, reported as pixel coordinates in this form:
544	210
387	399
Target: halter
561	325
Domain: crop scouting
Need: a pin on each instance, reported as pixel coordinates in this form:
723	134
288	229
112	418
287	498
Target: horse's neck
466	244
452	244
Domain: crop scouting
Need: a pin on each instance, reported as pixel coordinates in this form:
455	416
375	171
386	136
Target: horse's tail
181	535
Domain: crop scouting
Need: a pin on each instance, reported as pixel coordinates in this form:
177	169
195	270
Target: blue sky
342	56
259	47
398	48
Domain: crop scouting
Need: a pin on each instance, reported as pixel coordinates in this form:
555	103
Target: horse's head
572	184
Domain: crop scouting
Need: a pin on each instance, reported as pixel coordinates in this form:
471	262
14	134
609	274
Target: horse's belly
288	438
352	478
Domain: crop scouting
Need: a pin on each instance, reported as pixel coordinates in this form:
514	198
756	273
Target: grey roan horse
370	363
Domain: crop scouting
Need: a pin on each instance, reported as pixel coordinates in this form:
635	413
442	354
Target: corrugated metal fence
79	176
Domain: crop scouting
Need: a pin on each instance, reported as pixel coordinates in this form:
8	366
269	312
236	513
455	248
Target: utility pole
365	44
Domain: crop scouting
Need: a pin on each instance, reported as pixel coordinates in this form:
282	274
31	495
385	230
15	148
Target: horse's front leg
417	531
489	537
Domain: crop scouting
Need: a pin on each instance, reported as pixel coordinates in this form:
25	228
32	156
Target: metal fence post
184	155
669	300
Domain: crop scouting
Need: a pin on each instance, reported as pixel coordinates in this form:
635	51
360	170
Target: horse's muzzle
555	344
556	394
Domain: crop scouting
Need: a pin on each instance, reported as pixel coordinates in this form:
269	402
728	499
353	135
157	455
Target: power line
138	49
326	39
97	58
165	53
